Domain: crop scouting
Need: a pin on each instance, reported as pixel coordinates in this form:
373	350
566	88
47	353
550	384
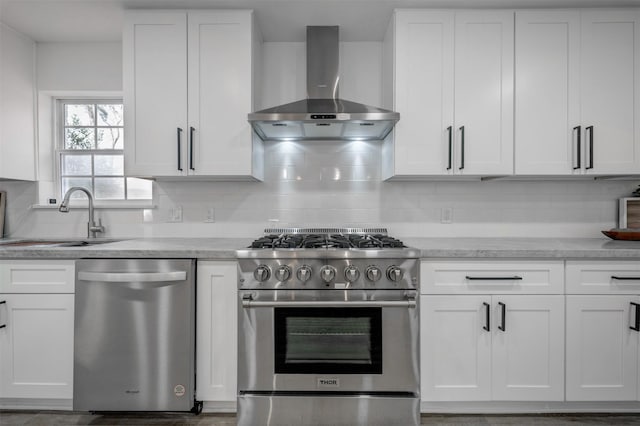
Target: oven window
328	340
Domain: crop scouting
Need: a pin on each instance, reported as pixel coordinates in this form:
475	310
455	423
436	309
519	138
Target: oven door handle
409	303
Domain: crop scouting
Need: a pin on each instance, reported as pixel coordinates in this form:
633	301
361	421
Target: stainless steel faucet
92	228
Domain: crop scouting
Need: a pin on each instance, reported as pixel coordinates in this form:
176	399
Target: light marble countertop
225	248
566	248
196	248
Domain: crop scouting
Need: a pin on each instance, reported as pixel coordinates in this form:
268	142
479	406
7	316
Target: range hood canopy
323	116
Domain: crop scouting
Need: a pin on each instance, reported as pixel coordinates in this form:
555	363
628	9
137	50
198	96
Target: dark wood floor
60	418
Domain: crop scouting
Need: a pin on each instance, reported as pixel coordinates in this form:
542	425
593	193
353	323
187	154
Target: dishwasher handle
126	277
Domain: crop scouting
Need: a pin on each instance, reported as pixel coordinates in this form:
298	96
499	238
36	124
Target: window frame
60	151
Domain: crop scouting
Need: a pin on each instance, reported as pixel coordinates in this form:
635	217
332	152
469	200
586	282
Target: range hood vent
323	115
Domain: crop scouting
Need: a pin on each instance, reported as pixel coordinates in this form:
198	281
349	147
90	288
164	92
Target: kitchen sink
56	243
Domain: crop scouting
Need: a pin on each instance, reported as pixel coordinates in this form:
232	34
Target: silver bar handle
123	277
410	303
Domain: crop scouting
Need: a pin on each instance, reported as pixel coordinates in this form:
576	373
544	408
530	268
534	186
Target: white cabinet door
470	352
423	92
455	348
602	350
36	346
220	92
547	97
216	326
453	87
17	105
484	92
577	92
610	81
528	348
188	85
155	93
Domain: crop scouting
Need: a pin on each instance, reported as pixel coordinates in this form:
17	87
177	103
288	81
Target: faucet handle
93	228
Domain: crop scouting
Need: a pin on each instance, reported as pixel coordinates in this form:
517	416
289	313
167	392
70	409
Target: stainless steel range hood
323	116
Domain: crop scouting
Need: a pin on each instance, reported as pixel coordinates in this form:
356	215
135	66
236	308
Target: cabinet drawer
603	277
37	276
464	277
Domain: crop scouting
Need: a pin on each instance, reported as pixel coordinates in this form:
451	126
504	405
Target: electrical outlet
175	214
446	215
211	215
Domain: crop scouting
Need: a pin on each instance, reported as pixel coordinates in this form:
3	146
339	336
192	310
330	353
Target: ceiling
279	20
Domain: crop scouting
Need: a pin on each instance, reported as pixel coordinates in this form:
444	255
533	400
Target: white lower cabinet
455	350
528	352
36	346
36	334
603	333
602	348
216	332
492	330
500	347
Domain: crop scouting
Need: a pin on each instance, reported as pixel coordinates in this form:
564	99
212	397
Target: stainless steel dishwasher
134	346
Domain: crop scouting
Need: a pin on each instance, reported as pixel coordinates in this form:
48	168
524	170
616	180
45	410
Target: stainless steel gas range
328	329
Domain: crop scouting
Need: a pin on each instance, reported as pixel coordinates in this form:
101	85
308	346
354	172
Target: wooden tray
623	234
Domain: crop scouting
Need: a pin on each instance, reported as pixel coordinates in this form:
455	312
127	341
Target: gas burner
268	241
375	241
290	241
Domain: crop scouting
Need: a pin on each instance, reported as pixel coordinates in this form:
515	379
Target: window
91	143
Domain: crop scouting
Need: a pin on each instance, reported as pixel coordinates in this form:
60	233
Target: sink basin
56	243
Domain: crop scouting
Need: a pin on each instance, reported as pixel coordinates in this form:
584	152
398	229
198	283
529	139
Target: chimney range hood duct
323	116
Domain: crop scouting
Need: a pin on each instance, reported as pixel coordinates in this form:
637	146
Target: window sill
98	206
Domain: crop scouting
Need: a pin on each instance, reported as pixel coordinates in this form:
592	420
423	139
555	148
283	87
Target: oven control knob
327	273
262	273
304	273
351	273
283	273
373	273
394	273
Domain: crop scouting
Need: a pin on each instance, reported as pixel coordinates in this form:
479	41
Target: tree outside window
91	151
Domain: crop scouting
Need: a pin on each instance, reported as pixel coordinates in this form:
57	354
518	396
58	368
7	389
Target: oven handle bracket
410	303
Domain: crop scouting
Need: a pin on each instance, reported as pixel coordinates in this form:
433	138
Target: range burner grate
339	240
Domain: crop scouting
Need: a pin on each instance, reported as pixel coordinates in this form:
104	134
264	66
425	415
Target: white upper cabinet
547	87
452	83
220	75
610	83
577	92
484	93
188	84
423	91
17	105
155	92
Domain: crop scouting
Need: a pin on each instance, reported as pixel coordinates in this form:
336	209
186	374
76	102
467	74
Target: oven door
329	340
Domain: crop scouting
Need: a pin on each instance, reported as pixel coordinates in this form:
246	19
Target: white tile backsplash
332	184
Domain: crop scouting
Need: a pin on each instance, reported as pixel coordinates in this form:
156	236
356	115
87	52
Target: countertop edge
429	248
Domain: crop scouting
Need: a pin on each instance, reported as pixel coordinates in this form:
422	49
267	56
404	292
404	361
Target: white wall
79	66
318	183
